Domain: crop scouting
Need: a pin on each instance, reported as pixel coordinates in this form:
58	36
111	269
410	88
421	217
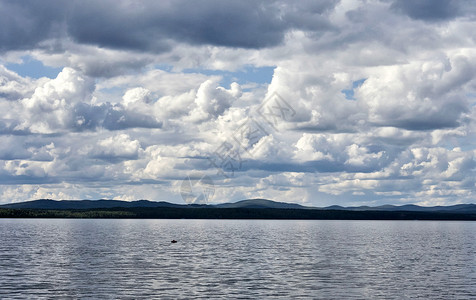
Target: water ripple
110	259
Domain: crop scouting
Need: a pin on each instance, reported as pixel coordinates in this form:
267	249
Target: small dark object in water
173	241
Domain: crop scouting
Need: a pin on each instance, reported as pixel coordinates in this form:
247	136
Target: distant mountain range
86	204
95	204
459	208
248	204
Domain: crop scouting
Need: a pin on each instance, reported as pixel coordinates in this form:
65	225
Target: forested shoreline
231	213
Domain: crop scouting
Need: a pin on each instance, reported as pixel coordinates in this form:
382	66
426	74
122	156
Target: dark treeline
232	213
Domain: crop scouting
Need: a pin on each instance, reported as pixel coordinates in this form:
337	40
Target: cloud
429	10
137	95
382	95
118	118
26	25
66	104
47	108
421	95
13	148
151	24
212	101
155	26
118	147
13	86
94	61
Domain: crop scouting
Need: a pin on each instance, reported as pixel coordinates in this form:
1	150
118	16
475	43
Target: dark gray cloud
430	10
6	179
25	24
448	116
12	148
153	25
9	126
117	119
108	116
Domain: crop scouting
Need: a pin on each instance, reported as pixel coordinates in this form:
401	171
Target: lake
110	259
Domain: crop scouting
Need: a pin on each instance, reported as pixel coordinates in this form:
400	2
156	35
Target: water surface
110	259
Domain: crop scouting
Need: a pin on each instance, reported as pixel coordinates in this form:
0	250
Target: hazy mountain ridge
261	203
461	208
249	204
86	204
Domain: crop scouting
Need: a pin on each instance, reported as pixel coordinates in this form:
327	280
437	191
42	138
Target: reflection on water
231	258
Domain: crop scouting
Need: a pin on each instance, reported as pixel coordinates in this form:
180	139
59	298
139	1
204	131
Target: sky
314	102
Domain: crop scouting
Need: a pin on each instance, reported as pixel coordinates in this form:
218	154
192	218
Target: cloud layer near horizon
379	97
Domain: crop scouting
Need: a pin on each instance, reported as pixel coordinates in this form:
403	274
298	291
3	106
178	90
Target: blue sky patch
33	68
349	93
249	74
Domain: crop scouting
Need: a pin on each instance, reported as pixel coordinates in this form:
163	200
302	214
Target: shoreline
233	214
